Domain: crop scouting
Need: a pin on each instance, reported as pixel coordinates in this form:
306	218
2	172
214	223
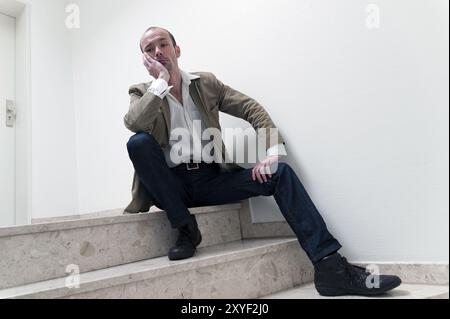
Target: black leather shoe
334	276
188	239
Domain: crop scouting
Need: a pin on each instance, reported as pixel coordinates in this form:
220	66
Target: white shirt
183	116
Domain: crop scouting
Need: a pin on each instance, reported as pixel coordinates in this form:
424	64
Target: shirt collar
188	77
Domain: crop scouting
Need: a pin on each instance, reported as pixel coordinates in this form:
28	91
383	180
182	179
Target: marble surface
56	224
242	269
48	249
404	291
100	243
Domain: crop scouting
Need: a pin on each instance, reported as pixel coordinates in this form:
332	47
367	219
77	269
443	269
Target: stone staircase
110	255
405	291
124	256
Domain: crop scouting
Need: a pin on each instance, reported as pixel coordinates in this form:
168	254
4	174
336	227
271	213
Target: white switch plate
10	113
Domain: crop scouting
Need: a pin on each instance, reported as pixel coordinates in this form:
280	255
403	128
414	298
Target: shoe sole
335	292
173	258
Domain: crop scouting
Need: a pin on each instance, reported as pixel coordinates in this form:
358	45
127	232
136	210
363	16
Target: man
175	99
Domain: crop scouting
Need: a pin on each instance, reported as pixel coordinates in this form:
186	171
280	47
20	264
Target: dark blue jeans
176	189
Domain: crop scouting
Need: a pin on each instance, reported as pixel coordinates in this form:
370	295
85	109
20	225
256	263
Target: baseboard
120	211
106	213
261	230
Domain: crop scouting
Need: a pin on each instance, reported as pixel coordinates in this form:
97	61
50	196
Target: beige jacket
151	114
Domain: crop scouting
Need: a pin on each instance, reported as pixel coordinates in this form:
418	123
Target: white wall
106	63
23	120
364	112
54	169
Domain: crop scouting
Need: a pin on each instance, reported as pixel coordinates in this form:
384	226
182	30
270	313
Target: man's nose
158	52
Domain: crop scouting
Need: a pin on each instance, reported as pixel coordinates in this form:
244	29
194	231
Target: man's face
158	44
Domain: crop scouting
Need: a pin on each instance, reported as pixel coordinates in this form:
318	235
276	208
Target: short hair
174	42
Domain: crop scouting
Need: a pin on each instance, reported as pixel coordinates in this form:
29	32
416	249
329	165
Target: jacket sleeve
237	104
144	108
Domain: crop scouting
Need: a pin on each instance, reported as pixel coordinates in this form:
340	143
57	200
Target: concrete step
44	251
242	269
405	291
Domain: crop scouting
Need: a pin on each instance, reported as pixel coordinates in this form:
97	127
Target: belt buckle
192	166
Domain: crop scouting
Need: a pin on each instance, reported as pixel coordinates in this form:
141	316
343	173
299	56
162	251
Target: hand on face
155	68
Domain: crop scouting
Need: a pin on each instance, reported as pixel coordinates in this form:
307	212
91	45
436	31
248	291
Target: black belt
193	166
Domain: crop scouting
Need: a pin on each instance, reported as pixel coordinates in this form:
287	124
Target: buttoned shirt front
185	142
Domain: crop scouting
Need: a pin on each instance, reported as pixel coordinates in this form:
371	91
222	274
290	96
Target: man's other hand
262	171
155	68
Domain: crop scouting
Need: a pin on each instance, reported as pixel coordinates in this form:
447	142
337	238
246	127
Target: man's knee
140	141
281	167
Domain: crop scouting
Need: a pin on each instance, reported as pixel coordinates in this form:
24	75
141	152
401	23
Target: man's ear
177	51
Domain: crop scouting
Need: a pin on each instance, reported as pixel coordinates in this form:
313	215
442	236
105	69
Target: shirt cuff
278	149
160	88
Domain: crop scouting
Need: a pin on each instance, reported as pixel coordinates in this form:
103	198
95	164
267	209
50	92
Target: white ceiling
11	7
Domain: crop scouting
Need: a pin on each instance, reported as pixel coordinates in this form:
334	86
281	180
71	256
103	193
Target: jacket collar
187	78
